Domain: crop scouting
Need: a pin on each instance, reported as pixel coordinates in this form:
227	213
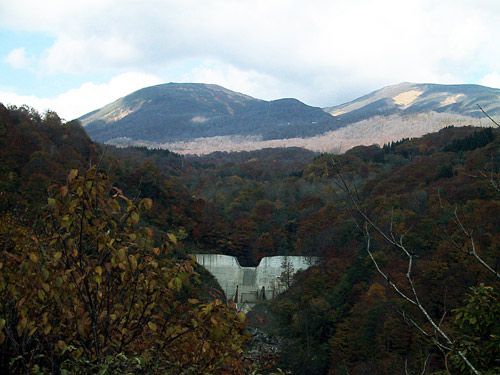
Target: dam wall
249	284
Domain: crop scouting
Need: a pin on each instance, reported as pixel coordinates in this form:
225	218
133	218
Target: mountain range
183	111
199	118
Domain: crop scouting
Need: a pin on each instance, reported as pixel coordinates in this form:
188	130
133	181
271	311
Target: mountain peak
408	98
183	111
200	118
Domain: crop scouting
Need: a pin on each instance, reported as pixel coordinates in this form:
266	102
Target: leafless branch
412	298
473	251
487	115
424	367
382	273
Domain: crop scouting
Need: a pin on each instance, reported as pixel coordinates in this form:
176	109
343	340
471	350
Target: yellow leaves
47	329
175	284
205	347
151	285
172	238
134	218
98	270
121	260
65	221
32	331
147	203
122	254
123	275
207	309
20	303
149	232
51	202
41	295
61	345
34	257
241	317
98	280
152	326
54	305
21	325
133	262
72	175
45	273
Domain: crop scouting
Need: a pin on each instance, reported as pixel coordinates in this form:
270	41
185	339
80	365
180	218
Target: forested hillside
84	226
438	195
93	279
427	211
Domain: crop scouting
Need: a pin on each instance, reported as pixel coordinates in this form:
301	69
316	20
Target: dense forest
96	274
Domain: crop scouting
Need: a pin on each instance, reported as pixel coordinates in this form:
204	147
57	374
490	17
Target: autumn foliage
95	277
92	285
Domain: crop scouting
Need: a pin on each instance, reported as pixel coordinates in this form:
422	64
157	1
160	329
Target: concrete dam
250	284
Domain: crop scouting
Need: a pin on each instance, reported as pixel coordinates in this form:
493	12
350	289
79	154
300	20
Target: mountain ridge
179	112
196	118
408	98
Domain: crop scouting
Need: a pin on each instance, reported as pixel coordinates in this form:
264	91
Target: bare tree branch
412	298
424	367
473	251
487	115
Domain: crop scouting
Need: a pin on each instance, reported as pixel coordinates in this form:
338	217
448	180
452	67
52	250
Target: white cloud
78	55
249	82
89	96
17	58
325	51
491	80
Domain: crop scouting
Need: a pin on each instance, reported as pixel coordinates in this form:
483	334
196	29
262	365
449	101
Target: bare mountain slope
184	111
410	98
194	118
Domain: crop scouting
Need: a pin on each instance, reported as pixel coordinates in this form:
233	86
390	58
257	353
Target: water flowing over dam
250	284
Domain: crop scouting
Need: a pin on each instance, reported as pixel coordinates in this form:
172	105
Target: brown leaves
34	257
94	285
146	203
152	326
63	190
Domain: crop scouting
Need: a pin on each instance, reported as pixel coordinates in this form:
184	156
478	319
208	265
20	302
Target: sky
76	56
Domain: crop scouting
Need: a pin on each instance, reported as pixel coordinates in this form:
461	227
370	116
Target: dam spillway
249	284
